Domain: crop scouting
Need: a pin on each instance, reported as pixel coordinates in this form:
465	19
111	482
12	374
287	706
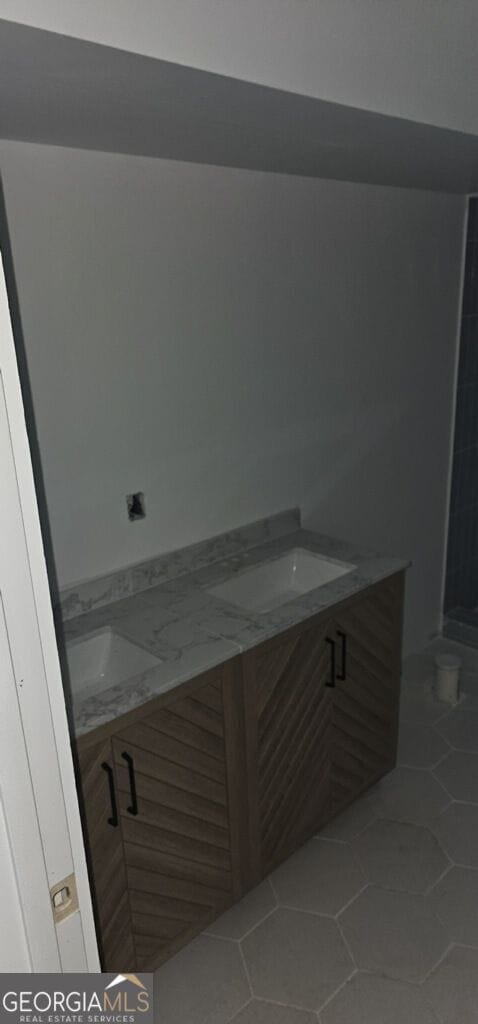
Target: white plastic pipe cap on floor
447	683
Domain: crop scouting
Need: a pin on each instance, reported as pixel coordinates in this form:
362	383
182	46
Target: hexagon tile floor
374	921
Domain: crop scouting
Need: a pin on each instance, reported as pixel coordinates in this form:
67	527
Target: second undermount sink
103	659
271	584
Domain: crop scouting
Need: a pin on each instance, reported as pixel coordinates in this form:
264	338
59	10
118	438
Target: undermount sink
103	659
271	584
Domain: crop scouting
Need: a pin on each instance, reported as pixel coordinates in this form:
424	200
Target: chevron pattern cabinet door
289	722
178	849
366	702
217	786
106	861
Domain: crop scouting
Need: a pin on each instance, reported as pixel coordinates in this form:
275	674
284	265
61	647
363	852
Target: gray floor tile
420	709
252	909
398	855
296	958
455	900
410	794
453	987
393	933
457	831
469	701
353	820
259	1012
460	729
459	774
420	746
418	703
370	999
206	981
469	690
322	877
417	669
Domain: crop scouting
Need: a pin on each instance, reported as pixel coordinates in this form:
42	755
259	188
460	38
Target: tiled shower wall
461	589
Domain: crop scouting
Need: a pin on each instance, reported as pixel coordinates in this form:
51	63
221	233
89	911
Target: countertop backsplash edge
90	595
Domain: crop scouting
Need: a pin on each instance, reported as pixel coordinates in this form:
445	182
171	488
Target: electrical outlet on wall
136	506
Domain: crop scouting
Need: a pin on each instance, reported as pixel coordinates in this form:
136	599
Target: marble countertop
192	631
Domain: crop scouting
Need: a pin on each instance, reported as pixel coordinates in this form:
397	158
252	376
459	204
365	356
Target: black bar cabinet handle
133	808
331	644
343	672
111	782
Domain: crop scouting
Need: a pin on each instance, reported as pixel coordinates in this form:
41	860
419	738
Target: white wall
416	59
234	343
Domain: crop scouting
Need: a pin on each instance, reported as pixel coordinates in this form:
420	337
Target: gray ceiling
66	92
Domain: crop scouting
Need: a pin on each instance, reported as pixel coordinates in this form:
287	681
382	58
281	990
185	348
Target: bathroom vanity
255	727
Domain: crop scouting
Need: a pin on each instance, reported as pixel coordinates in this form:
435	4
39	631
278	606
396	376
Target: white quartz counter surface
192	631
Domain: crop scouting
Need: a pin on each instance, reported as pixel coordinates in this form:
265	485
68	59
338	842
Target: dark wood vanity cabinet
366	695
288	711
321	706
164	822
190	800
105	851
